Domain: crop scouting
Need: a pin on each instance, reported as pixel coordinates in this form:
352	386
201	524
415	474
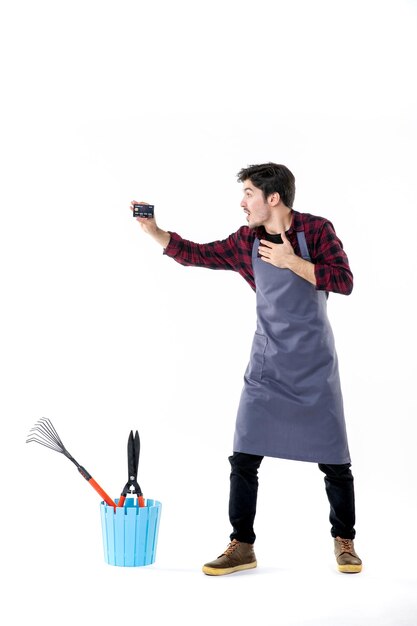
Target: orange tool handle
101	491
141	501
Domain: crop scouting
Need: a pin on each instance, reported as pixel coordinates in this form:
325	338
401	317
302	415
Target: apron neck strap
301	238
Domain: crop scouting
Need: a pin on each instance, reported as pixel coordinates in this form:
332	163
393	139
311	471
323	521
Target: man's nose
243	204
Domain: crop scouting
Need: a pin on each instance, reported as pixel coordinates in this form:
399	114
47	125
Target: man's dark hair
271	177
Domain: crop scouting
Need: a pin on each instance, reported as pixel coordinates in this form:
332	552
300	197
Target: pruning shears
132	485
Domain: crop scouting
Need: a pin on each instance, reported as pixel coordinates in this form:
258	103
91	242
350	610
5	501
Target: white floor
298	586
56	574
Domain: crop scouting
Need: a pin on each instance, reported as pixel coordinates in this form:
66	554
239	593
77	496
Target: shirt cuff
174	246
321	277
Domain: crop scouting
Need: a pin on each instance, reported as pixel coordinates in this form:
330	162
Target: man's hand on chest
278	254
282	255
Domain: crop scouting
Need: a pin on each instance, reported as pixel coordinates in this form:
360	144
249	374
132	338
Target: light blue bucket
130	534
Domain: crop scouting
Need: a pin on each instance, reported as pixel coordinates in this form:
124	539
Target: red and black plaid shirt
331	265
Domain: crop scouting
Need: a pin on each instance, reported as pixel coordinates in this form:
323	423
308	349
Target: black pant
244	490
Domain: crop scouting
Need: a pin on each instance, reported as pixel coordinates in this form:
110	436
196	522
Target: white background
165	102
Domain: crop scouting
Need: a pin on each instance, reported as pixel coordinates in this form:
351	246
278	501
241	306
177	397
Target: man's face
257	209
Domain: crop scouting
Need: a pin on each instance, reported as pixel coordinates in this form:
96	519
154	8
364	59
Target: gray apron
291	405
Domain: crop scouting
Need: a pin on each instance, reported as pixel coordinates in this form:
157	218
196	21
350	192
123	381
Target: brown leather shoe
237	557
347	560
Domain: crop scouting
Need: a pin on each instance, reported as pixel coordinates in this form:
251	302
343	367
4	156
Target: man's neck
280	222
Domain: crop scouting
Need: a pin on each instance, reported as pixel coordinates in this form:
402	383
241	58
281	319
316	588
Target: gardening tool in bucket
44	433
132	485
130	532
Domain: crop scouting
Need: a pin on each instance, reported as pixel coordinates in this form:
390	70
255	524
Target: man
291	405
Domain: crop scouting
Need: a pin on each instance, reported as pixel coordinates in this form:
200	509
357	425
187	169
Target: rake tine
44	433
49	429
43	443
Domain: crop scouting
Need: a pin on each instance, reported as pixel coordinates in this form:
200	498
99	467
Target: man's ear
274	199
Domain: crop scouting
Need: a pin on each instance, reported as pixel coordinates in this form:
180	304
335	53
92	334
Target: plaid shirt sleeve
233	253
331	265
